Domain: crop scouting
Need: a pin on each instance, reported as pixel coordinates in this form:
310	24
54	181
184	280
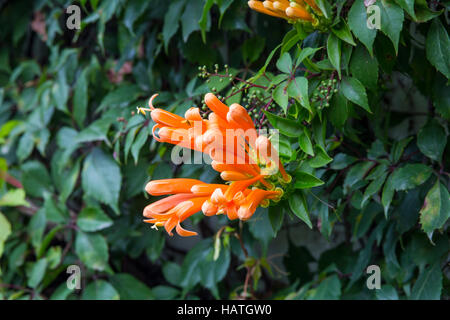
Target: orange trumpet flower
244	159
289	10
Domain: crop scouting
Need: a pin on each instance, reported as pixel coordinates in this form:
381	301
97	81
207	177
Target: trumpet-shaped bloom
243	158
290	10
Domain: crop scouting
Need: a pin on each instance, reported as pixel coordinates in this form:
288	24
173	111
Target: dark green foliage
363	122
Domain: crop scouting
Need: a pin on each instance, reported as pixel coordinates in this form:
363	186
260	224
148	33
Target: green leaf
325	8
261	227
431	140
387	292
190	19
120	97
304	141
69	179
276	218
441	96
25	147
341	161
408	6
290	39
436	208
387	195
298	88
203	23
438	47
134	9
5	231
287	127
356	173
80	99
305	180
334	52
171	21
329	289
101	178
96	131
165	293
93	219
321	158
338	110
373	188
343	32
100	290
264	67
391	21
398	148
130	288
357	21
35	179
252	49
297	203
280	95
37	273
172	272
36	227
14	198
410	176
284	63
92	249
354	91
139	143
305	53
424	14
428	285
364	67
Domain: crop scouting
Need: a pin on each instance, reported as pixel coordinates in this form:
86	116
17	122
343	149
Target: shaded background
71	139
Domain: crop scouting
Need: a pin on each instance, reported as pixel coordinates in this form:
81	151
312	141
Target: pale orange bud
171	186
297	13
233	176
259	7
216	105
193	114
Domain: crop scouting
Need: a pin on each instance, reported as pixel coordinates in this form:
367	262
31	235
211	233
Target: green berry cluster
324	92
205	74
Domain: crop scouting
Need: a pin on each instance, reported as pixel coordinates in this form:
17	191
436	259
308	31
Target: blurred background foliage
75	157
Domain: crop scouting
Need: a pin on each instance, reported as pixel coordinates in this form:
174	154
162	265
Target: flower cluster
245	159
293	11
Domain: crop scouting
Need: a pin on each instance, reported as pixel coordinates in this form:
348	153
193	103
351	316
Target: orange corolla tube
238	116
163	205
253	200
259	7
281	6
269	5
163	117
216	106
177	214
237	186
193	114
171	186
233	176
207	188
246	168
175	136
298	12
169	119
